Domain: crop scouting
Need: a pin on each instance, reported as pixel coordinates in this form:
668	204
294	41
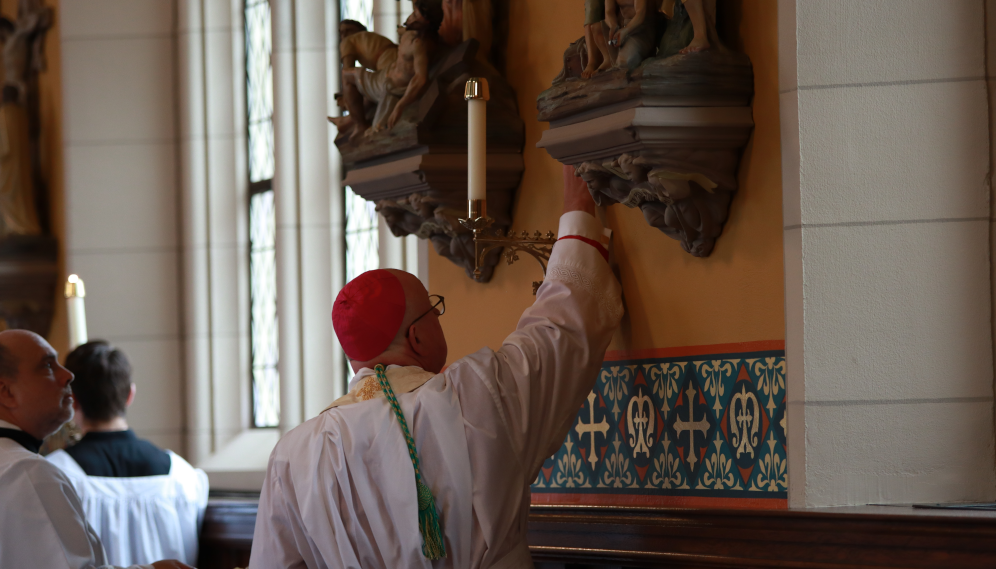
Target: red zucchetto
368	313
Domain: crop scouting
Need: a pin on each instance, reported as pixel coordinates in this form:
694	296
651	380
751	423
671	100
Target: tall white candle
76	311
476	93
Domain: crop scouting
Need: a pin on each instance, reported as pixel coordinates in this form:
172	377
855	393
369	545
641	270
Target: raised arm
548	365
640	7
347	49
611	17
417	83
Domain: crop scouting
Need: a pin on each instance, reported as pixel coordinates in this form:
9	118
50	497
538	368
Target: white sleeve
51	513
549	364
277	535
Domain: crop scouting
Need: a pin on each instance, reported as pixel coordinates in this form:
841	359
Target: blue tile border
703	426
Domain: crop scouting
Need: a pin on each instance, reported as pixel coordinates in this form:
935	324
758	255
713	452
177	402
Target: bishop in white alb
340	491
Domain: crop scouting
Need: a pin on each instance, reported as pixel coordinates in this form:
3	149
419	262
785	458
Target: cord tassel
433	546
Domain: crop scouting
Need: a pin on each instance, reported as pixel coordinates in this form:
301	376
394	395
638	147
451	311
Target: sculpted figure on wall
375	54
404	139
27	295
621	34
23	60
656	118
631	26
468	19
392	77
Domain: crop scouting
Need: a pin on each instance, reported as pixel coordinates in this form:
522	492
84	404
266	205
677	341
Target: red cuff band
601	248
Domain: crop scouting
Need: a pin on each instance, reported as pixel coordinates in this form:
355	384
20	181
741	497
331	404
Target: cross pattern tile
697	426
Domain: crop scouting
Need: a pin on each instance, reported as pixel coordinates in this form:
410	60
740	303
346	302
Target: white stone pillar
214	221
303	209
885	157
122	197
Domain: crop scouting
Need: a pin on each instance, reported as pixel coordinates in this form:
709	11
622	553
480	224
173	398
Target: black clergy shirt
119	454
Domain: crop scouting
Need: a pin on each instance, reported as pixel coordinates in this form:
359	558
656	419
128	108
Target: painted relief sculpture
22	50
28	270
404	139
656	118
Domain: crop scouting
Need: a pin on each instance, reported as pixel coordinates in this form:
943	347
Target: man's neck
389	358
5	424
115	424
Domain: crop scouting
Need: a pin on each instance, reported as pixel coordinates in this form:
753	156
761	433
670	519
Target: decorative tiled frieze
700	425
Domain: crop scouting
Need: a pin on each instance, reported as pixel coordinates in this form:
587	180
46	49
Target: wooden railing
591	537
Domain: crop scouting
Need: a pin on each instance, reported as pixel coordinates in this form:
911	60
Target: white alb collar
363	373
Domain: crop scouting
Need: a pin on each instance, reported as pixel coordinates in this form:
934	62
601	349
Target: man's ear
414	342
131	395
7	398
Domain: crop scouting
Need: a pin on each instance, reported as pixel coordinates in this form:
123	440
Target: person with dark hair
130	488
43	519
103	390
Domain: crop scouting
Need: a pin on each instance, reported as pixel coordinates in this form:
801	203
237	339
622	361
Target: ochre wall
672	299
50	94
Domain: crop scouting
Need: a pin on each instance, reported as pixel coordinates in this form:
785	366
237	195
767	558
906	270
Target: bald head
34	388
416	301
13	343
419	340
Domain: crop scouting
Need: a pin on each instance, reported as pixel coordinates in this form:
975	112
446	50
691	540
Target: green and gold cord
433	546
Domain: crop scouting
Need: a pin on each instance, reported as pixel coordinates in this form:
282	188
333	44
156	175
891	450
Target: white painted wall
120	137
886	164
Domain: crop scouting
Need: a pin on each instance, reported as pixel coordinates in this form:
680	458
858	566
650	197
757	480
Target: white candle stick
477	96
76	311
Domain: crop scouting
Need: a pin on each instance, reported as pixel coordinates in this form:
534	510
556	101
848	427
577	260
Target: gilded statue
23	41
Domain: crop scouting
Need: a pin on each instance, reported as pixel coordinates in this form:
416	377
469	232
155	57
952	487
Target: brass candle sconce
537	245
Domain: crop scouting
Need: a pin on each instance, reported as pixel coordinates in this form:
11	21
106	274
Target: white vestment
340	488
143	519
42	523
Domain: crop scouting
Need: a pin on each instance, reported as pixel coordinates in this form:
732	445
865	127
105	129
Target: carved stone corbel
430	215
416	173
688	202
666	139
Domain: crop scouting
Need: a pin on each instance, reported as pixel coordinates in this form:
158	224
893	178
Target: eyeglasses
436	300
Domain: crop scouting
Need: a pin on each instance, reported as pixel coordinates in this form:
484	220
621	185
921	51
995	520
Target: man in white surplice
340	489
144	503
42	523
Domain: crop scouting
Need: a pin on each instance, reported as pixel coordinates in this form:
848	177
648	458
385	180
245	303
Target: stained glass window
361	218
263	292
259	89
361	236
359	10
262	217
